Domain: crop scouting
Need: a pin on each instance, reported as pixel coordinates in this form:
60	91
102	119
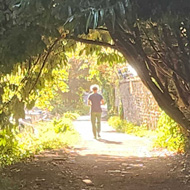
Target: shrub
169	134
136	130
117	123
10	149
50	135
83	110
71	115
62	125
8	146
128	127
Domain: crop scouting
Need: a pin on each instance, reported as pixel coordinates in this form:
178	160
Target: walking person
95	100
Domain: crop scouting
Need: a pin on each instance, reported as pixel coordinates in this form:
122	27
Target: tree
153	36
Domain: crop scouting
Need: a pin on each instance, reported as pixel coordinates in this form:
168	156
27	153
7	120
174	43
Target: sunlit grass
26	144
168	134
45	137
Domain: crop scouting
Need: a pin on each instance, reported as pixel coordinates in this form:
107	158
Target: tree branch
45	60
92	42
177	72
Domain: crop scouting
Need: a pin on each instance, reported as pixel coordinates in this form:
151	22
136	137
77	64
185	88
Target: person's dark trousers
96	123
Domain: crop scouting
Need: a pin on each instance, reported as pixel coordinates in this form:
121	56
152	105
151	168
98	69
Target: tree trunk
147	71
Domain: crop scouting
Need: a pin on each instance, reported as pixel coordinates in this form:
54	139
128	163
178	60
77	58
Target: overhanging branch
45	60
92	42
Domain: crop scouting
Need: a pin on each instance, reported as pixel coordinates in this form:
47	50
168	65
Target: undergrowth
16	146
168	133
129	128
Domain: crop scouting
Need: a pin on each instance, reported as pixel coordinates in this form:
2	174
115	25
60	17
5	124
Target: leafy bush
140	131
10	149
83	110
62	125
8	146
49	135
117	123
128	127
71	115
169	134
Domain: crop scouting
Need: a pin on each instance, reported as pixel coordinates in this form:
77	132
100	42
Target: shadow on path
108	142
114	131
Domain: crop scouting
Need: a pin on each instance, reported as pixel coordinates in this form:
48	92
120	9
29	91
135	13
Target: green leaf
88	21
95	19
112	13
121	9
70	19
101	15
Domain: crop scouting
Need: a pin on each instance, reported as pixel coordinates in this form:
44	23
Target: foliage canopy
154	37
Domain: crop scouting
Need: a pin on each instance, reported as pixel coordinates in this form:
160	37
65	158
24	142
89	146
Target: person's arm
102	101
89	100
89	103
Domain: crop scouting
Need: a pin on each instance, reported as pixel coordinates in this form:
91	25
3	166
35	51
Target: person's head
94	88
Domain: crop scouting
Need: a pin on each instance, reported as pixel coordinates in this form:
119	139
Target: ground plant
71	115
168	133
83	110
17	146
127	127
62	125
9	147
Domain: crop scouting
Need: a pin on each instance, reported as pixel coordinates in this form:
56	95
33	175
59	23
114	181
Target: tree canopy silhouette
153	36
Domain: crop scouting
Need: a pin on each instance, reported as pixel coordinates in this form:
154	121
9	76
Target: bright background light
132	70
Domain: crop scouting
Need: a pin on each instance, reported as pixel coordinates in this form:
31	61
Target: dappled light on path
113	143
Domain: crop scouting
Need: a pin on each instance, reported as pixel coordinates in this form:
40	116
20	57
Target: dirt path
112	143
114	162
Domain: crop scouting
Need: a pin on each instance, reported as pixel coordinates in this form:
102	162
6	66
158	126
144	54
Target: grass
26	144
167	135
45	137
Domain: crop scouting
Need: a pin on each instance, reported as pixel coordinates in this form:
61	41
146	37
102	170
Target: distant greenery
71	115
83	110
16	146
167	135
62	125
61	108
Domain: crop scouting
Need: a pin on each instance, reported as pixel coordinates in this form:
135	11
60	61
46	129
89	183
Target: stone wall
139	104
